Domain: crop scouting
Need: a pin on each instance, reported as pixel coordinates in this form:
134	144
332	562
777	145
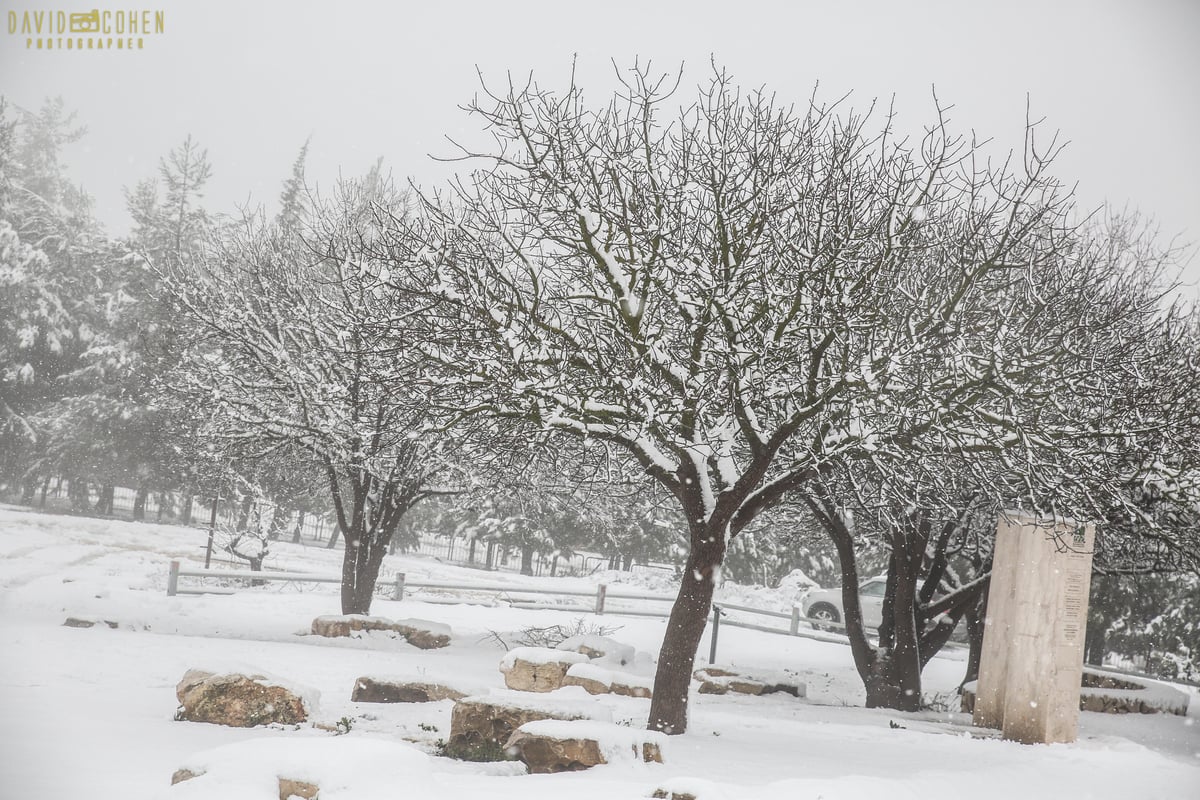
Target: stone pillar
1032	660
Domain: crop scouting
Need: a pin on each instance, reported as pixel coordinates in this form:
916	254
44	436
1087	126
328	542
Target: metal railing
400	586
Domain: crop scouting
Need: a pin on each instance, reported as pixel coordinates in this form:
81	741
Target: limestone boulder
288	788
1105	693
537	669
181	775
380	690
598	647
240	701
719	680
83	622
423	634
347	624
493	718
589	682
597	680
549	746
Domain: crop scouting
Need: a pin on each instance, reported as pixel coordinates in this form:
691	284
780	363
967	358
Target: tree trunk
527	560
299	527
901	667
279	521
360	568
685	628
471	552
104	503
77	491
491	555
333	538
28	491
243	520
45	489
554	567
186	513
1095	645
975	623
139	503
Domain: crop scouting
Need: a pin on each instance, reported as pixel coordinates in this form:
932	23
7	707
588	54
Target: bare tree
290	356
738	296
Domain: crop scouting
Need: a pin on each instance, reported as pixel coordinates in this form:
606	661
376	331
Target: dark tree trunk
471	552
186	513
894	677
685	628
139	503
554	567
28	491
527	560
45	490
299	527
627	563
104	503
77	491
360	568
243	520
1095	645
491	555
975	622
279	521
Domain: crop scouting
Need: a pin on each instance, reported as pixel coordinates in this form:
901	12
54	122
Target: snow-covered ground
88	713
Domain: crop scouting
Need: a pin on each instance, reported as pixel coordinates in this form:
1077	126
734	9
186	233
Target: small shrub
554	635
486	750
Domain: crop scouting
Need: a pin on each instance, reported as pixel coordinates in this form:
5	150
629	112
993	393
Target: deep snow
88	713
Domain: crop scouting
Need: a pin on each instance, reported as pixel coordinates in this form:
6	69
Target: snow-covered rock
385	690
553	745
345	767
597	680
537	669
241	701
599	647
721	680
493	717
1112	693
418	632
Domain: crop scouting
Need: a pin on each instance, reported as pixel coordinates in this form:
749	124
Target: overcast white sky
252	81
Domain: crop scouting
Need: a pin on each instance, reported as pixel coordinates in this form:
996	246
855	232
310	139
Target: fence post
398	592
173	579
212	527
795	620
716	627
601	591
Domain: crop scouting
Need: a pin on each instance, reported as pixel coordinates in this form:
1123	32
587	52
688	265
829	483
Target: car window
873	588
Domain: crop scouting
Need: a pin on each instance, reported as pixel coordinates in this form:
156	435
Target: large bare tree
738	296
291	358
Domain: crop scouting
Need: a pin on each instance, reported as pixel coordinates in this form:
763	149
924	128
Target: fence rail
400	586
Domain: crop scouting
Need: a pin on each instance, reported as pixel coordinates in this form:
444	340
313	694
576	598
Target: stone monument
1032	661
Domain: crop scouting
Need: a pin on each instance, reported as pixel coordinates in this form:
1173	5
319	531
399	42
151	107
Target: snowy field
88	713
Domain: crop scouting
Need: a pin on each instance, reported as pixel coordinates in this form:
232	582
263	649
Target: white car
825	605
